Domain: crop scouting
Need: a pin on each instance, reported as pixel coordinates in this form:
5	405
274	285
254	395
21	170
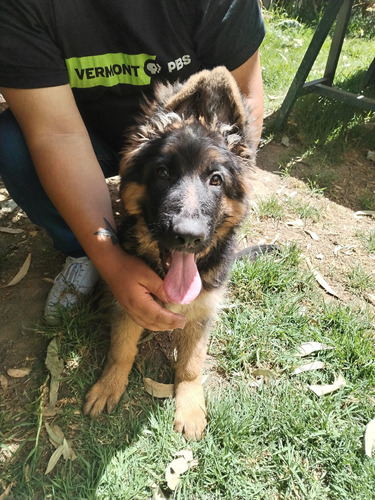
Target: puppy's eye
162	173
216	180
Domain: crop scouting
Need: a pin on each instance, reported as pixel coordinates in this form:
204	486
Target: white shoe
77	278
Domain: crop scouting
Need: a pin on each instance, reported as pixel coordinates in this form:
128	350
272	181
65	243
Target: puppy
185	181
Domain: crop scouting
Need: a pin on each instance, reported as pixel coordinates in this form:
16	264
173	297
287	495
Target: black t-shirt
112	51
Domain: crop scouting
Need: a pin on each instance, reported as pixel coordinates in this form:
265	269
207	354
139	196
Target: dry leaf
49	280
27	473
256	383
174	470
322	390
348	249
291	195
50	412
264	375
11	230
157	493
295	223
157	389
313	235
7	452
337	249
4	382
63	447
53	362
5	494
364	213
178	466
55	434
268	240
310	347
370	297
18	372
21	273
55	365
68	453
322	282
186	454
54	459
370	437
254	206
315	365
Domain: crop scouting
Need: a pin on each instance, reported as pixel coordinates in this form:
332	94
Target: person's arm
249	79
71	176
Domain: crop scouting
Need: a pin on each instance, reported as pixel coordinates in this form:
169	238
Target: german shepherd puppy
185	180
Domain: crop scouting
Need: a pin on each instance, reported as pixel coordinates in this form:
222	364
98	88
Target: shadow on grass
103	445
332	139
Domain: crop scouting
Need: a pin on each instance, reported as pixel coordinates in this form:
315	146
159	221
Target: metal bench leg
304	69
337	40
369	76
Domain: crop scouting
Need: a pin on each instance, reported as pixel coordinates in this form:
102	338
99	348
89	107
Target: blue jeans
21	180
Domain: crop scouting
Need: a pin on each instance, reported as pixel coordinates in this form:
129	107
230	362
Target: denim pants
21	180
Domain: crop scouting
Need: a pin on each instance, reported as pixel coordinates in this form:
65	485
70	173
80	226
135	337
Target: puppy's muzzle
187	234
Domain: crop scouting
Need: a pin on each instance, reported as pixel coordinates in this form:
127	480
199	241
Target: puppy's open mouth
182	283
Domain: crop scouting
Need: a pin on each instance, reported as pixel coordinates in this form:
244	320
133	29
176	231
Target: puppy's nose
189	232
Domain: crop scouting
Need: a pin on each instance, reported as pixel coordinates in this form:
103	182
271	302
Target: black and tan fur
185	181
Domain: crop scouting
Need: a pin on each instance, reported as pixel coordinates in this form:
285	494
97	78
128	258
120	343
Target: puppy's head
185	173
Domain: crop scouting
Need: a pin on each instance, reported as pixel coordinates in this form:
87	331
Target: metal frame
340	9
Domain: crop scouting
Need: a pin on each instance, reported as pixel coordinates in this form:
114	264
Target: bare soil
22	304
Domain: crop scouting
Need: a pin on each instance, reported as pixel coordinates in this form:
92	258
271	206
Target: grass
276	442
367	200
368	240
323	126
270	207
359	280
305	210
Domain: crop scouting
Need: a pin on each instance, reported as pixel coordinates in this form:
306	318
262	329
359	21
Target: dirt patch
337	249
340	231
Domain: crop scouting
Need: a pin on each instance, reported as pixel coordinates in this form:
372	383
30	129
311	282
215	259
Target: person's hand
135	285
71	176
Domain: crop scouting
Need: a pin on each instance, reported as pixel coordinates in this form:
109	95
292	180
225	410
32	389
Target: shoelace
71	273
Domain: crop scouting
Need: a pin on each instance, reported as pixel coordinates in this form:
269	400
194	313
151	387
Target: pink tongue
182	283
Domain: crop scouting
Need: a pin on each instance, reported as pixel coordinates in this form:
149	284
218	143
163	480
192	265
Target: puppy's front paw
191	422
101	395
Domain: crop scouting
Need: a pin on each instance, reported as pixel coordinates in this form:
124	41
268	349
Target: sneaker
77	278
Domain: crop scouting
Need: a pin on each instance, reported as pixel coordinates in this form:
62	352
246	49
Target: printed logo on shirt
108	70
179	63
151	67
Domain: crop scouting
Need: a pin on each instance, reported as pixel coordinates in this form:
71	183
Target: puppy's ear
212	96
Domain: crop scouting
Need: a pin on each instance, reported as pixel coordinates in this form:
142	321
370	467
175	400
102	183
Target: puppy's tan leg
190	417
114	379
